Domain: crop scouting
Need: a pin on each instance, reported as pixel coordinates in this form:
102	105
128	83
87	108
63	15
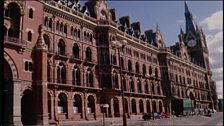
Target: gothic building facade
62	60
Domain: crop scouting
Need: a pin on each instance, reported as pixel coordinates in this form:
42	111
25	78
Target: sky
169	15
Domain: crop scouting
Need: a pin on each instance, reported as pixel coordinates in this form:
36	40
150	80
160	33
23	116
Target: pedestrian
173	113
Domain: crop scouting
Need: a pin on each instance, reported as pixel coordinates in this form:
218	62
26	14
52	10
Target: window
61	47
136	67
31	13
139	86
89	78
143	69
29	36
88	54
62	103
129	66
132	85
75	51
76	76
61	73
28	66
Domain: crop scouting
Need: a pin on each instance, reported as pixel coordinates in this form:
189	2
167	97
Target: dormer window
103	15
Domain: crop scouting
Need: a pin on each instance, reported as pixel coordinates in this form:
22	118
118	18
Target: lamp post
121	45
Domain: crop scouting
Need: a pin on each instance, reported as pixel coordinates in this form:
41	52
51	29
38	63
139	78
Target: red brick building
60	63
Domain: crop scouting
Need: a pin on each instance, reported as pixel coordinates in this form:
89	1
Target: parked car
147	116
164	115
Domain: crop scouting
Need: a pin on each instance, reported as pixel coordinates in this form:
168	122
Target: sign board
104	105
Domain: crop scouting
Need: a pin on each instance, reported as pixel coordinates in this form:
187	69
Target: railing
14	40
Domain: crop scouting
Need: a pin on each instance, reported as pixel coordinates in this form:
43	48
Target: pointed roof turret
190	23
181	31
186	7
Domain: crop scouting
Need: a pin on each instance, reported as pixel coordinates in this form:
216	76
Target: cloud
214	21
214	38
219	88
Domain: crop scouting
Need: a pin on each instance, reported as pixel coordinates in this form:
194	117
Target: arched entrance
133	106
141	107
116	107
27	107
77	105
160	106
154	106
126	105
191	95
8	92
147	106
11	99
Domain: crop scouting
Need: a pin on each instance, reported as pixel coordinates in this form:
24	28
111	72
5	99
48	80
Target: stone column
70	108
40	80
16	104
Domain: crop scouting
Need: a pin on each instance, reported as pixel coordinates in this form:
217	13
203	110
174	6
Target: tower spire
186	7
181	30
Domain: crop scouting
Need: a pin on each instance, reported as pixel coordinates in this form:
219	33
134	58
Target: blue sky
169	15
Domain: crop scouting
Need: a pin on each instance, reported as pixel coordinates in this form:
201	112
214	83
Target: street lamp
104	106
121	45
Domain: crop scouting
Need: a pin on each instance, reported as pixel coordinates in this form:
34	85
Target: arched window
91	104
47	41
115	80
75	51
143	69
76	76
139	86
146	87
84	35
58	26
65	28
91	38
129	66
46	21
137	67
61	27
14	14
87	37
29	36
78	34
158	89
89	78
61	47
150	70
75	33
77	104
31	13
124	83
48	72
156	72
61	73
72	31
114	59
141	106
50	23
62	103
88	54
133	106
152	89
122	63
132	88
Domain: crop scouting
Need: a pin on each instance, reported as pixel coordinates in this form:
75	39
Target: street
214	120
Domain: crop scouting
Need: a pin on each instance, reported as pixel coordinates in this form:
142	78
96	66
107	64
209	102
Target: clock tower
195	41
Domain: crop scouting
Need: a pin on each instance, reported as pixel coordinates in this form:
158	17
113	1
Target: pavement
215	120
